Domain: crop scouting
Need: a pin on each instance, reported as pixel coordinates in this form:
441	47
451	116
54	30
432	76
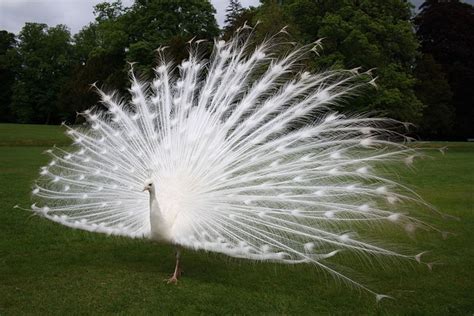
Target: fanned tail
242	166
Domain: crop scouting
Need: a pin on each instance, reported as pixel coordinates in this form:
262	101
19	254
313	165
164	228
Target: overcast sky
78	13
73	13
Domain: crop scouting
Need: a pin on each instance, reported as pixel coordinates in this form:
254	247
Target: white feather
233	171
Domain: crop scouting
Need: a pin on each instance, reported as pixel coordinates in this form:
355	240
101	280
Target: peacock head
149	186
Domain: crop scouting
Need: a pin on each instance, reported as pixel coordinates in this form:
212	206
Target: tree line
423	62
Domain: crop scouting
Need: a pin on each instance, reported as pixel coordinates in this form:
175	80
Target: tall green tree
155	23
371	34
272	17
44	56
120	35
109	11
77	93
233	12
99	57
238	19
7	74
432	88
445	29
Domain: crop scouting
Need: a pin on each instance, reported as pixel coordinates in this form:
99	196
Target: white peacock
233	163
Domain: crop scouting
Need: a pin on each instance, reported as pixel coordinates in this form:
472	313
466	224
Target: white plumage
233	163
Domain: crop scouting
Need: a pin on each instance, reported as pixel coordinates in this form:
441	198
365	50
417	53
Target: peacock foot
174	278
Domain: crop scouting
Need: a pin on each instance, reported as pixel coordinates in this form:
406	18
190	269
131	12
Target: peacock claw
172	280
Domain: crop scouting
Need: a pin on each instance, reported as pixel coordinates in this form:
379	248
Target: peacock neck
155	211
159	229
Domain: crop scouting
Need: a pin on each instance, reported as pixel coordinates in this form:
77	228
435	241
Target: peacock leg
177	270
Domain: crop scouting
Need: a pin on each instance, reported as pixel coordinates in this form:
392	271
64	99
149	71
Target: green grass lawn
49	269
32	135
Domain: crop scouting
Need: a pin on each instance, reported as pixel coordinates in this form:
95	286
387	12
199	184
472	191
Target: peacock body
234	162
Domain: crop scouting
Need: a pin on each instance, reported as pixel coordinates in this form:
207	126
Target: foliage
7	73
433	90
367	34
44	56
155	23
233	12
371	34
77	94
272	18
237	18
124	35
445	31
108	11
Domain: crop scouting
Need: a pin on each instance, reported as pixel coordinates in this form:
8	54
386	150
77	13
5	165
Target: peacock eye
151	184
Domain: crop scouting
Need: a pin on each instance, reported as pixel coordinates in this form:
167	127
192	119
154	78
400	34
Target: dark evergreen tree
445	29
432	88
233	11
244	15
7	74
